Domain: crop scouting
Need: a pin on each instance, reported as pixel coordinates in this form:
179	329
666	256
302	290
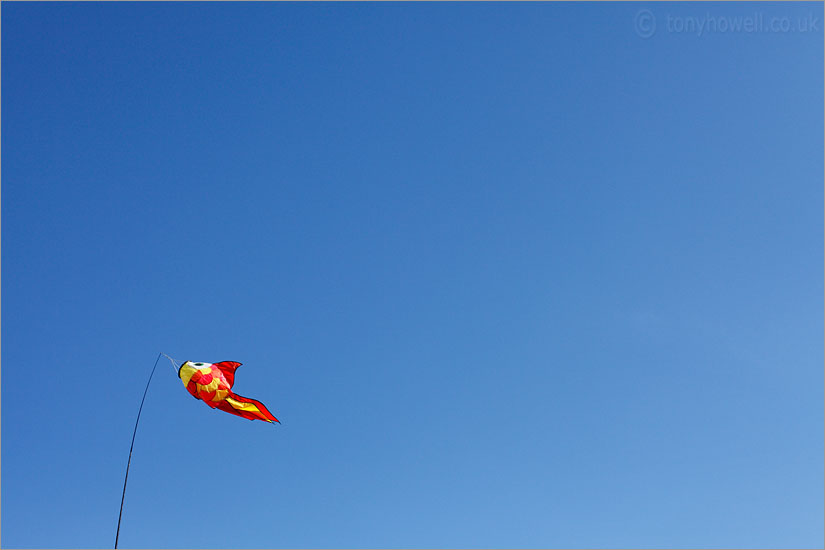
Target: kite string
129	462
175	363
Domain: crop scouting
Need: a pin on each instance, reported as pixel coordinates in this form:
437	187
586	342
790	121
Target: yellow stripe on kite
243	406
186	373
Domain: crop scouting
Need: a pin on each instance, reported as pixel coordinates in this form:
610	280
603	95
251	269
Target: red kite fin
228	370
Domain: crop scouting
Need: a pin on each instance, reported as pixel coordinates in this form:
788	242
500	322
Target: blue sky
511	275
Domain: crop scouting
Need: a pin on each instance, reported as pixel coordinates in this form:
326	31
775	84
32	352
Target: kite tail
246	408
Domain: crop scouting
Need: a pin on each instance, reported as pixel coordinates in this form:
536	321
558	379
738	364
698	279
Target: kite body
212	383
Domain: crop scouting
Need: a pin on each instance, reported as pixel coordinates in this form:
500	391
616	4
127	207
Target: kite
212	383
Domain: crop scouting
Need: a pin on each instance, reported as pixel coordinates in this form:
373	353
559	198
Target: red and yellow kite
212	383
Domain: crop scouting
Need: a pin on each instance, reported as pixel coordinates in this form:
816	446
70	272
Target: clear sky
510	275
